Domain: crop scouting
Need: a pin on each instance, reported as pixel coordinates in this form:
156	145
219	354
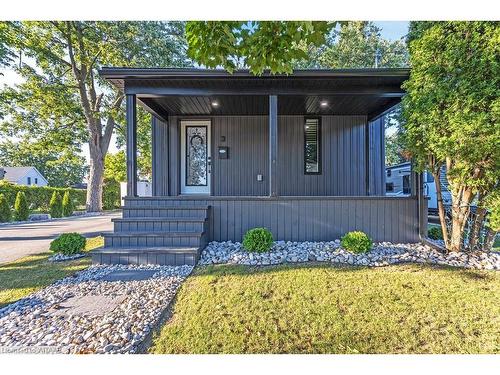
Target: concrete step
165	211
160	224
154	239
166	255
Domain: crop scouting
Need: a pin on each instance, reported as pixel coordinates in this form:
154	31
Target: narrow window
36	181
29	180
389	187
312	146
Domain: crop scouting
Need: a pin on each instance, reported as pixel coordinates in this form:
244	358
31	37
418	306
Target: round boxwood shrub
258	240
55	205
21	209
435	233
5	213
356	242
68	244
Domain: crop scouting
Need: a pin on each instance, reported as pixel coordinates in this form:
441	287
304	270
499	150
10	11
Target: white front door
195	157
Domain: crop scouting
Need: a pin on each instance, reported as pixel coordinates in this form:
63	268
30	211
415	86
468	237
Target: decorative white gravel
34	322
59	257
382	254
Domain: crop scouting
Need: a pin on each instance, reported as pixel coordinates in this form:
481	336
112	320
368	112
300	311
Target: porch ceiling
369	105
192	91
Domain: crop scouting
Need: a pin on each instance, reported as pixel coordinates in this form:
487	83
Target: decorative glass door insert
196	156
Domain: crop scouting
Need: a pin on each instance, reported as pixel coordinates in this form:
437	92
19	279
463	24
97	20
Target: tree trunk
96	176
460	213
440	206
489	240
477	225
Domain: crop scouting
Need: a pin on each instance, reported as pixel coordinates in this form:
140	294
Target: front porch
301	155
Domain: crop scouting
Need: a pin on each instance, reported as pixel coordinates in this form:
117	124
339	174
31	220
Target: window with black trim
312	146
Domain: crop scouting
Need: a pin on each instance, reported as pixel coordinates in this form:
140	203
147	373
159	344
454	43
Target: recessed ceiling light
215	104
323	103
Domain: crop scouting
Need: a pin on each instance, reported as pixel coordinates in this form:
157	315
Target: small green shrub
435	233
258	240
55	205
21	208
5	213
68	244
111	194
67	205
356	242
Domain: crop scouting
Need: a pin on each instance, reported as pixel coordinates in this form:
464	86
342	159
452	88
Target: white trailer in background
397	183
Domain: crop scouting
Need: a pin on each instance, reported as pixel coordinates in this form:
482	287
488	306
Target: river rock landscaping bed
103	309
382	254
59	257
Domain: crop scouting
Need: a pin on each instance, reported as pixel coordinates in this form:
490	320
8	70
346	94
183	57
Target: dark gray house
300	154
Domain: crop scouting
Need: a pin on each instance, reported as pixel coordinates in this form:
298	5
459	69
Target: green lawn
324	309
29	274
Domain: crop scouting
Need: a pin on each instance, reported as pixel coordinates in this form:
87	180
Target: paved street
17	241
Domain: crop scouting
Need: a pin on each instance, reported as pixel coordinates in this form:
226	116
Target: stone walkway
103	309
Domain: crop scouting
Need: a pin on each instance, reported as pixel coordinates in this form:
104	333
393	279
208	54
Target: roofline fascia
131	73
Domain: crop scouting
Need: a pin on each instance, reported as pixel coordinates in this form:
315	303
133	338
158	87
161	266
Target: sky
392	30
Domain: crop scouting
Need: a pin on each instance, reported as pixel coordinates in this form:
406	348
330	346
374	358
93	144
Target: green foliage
55	205
356	44
115	166
356	242
258	240
21	208
258	45
67	204
111	197
493	206
59	163
61	98
5	212
39	196
452	109
68	244
435	233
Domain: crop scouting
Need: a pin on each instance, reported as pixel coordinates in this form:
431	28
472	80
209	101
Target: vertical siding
247	139
173	159
342	152
160	147
376	157
343	157
299	219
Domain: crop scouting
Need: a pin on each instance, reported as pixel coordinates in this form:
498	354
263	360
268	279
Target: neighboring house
29	176
397	182
300	154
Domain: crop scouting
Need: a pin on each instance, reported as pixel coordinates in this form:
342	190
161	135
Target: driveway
20	240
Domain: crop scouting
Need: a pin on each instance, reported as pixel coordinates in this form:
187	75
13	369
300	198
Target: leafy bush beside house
5	213
258	240
21	209
356	242
68	244
39	196
435	233
56	205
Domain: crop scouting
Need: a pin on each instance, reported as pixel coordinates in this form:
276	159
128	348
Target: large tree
256	45
452	116
359	44
60	74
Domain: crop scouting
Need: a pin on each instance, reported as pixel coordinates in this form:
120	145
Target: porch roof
191	91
